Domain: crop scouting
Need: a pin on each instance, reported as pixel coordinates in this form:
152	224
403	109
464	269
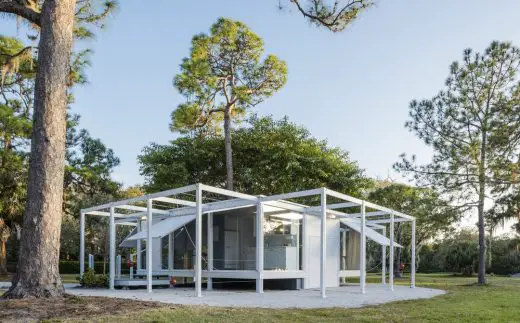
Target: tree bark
3	258
228	148
481	225
38	264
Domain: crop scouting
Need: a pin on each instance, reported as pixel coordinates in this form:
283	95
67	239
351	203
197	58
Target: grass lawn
465	302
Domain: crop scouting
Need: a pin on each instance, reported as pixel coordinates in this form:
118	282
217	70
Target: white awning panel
370	233
164	227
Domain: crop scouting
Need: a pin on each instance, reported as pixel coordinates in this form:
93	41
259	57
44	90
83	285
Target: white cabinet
285	258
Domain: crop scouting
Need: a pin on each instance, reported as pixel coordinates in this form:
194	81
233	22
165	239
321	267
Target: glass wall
282	241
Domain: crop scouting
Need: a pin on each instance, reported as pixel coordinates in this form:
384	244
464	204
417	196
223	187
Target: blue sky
352	88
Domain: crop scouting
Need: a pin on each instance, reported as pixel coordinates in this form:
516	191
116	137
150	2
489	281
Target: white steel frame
374	219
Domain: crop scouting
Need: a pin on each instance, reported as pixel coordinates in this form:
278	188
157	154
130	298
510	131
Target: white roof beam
375	213
174	191
387	221
174	201
368	204
292	195
141	208
221	191
116	215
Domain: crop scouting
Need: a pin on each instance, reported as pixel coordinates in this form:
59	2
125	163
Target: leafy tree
433	214
15	129
223	77
474	131
270	157
89	164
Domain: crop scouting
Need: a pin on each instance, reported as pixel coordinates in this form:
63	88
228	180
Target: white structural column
112	237
304	249
171	250
149	247
412	269
81	244
391	264
362	253
210	249
323	249
198	242
259	247
383	260
138	248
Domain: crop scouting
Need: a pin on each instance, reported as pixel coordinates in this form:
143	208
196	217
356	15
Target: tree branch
333	17
21	8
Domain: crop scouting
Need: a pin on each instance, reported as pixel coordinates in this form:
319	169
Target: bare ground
70	307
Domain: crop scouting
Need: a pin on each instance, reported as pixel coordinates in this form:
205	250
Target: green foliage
459	253
433	214
462	257
506	256
224	74
270	157
91	279
471	125
334	15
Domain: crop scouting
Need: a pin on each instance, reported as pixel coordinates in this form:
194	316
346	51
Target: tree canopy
223	77
271	156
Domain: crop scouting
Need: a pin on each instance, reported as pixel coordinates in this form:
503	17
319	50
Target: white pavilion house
299	240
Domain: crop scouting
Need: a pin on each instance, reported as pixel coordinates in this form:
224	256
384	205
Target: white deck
344	296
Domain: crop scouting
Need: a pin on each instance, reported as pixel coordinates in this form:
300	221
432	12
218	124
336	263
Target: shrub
91	279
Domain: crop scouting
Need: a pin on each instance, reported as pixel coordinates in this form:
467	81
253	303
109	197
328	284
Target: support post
323	249
171	251
91	261
362	253
81	244
412	269
260	247
198	242
112	251
210	250
383	260
343	254
149	246
138	265
304	249
391	264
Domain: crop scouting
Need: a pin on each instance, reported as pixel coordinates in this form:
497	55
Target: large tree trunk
38	264
229	150
3	258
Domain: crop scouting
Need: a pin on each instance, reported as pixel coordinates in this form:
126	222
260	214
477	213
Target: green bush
91	279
